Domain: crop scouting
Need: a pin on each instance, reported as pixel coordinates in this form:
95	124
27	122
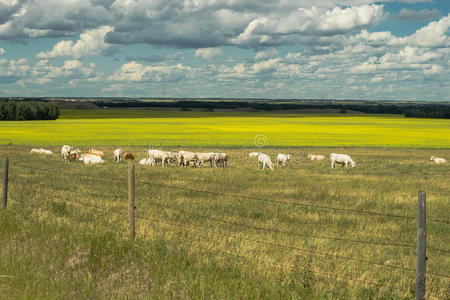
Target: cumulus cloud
2	51
90	43
12	71
417	15
135	72
208	53
265	54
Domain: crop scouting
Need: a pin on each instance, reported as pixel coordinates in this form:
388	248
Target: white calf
118	155
91	159
41	151
316	156
65	152
283	159
342	159
438	160
147	162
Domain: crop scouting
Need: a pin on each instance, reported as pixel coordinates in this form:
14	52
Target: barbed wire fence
408	272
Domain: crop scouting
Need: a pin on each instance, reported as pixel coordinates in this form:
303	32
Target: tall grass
194	244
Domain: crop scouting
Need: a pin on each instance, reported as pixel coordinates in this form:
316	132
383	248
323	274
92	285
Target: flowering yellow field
228	129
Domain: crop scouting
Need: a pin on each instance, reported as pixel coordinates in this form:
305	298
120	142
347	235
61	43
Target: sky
322	49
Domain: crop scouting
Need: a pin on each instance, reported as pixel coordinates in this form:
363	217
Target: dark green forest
426	110
23	110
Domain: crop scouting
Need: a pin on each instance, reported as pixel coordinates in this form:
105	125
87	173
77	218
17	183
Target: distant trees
427	110
27	110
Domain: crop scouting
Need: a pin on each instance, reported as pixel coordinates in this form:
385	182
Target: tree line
427	110
12	110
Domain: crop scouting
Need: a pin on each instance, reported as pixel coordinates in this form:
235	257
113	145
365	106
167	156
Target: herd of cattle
195	159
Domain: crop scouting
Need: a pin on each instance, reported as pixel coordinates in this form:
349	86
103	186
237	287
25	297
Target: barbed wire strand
291	233
254	198
288	247
242	257
292	203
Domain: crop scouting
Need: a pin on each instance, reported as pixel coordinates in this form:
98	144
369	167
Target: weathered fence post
132	229
421	246
5	183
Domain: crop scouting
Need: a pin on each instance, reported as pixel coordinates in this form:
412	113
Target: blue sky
349	49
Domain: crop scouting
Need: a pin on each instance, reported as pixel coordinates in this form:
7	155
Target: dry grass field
300	232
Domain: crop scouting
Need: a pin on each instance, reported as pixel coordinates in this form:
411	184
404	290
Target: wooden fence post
5	184
421	246
132	229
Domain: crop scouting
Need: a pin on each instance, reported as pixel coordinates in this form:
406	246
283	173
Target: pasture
298	232
114	127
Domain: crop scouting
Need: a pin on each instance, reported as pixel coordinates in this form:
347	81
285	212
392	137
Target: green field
102	127
64	234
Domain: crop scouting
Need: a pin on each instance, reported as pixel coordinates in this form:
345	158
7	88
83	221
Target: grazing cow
65	152
91	159
342	159
128	155
316	156
186	157
263	161
206	157
41	151
165	157
438	160
221	159
118	155
147	162
283	159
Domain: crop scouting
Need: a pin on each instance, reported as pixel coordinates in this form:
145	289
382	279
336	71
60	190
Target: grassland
105	127
53	247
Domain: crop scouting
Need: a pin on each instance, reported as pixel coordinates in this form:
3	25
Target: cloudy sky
341	49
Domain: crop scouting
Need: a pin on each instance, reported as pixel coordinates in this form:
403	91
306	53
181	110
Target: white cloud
208	53
308	22
269	53
135	72
90	43
2	51
432	35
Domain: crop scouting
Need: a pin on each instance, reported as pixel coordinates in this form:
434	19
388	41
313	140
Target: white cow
316	156
147	162
342	159
91	159
118	155
41	151
159	155
221	159
253	154
206	157
65	152
264	161
186	157
96	152
283	159
438	160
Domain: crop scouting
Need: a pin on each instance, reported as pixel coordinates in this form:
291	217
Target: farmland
104	127
65	231
300	232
